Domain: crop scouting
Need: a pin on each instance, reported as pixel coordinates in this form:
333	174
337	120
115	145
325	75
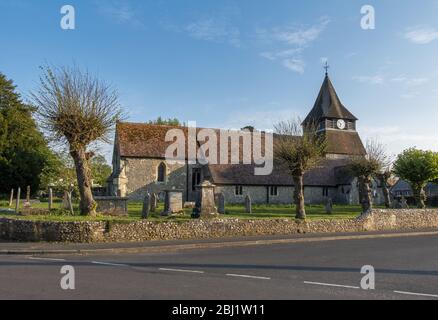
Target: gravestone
329	206
27	203
11	199
70	203
404	203
153	202
146	206
173	202
50	199
65	204
248	204
221	203
17	202
206	206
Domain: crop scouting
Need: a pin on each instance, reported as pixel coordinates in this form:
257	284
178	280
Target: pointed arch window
162	171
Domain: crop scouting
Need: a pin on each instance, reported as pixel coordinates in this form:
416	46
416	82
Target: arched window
162	170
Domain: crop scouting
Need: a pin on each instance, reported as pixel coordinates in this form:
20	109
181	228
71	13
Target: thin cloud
376	79
216	30
421	34
120	12
289	42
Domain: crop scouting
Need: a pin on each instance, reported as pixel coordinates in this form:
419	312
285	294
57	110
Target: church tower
335	121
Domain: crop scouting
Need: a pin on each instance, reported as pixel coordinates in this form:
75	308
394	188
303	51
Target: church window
239	191
273	191
325	192
196	178
161	176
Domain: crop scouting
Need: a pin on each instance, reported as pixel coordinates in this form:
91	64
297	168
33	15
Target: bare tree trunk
299	197
365	194
87	205
385	190
420	196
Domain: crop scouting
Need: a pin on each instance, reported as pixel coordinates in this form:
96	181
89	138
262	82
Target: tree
166	122
23	149
79	109
100	170
417	167
299	149
365	168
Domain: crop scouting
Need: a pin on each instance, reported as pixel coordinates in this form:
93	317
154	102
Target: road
406	268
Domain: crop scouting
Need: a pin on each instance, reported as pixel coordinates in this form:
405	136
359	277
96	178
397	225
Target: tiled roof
324	175
344	142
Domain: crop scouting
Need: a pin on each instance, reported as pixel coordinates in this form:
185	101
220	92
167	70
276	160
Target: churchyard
315	212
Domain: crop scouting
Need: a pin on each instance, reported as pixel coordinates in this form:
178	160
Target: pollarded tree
76	107
300	149
417	167
365	168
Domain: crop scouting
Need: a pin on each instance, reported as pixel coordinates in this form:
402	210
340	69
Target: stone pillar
50	199
146	206
17	202
154	202
11	199
248	204
206	206
173	202
221	203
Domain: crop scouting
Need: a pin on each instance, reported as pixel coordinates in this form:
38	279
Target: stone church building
139	163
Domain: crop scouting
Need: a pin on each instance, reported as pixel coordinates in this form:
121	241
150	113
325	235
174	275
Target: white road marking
330	285
247	276
181	270
417	294
109	264
46	259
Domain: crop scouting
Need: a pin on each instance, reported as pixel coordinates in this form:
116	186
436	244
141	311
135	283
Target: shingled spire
335	121
328	105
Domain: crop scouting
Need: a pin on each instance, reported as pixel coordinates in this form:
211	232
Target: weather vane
326	67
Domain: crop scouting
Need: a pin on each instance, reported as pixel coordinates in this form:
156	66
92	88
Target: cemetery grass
314	212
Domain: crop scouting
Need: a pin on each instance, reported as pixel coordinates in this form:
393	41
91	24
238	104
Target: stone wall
141	176
380	220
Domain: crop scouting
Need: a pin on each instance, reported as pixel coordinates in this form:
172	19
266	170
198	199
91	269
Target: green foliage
23	149
100	170
163	122
418	167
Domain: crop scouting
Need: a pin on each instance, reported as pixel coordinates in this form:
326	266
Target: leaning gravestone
173	202
221	203
248	204
146	206
153	202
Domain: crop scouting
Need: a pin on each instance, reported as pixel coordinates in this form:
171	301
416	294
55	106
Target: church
140	166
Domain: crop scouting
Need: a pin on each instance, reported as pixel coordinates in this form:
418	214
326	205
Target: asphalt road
406	268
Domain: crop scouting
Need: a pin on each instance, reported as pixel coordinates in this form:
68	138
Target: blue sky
236	63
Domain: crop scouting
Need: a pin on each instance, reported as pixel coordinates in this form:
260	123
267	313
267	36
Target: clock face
341	124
